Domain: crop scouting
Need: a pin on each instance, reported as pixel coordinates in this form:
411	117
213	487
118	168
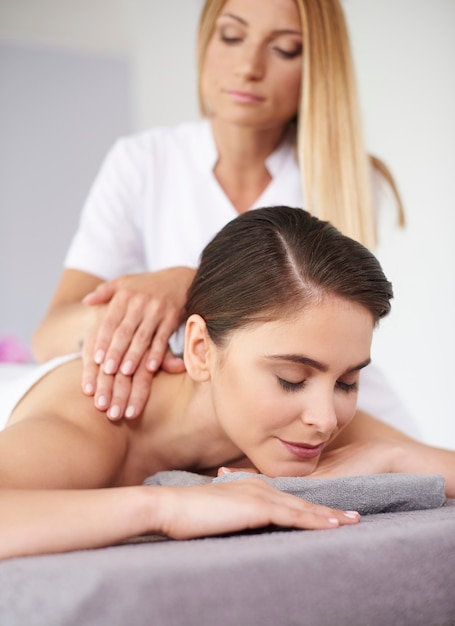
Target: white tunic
156	203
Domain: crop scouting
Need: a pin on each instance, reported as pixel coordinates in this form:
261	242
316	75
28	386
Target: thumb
102	294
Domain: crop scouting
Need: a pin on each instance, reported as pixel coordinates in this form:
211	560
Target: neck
242	146
183	433
241	169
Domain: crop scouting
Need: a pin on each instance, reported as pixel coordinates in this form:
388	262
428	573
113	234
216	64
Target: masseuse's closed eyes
284	46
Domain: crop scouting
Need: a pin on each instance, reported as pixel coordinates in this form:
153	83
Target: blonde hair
336	169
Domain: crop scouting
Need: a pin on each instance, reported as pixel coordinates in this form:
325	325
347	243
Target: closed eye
348	387
288	386
288	54
230	40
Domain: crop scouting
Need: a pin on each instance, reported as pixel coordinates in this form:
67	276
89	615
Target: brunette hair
275	261
337	171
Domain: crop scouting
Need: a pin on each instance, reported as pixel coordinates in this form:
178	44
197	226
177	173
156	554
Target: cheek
346	405
214	66
288	91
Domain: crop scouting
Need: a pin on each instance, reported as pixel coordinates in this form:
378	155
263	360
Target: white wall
405	57
404	53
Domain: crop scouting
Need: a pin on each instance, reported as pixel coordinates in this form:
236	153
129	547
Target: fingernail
114	412
334	521
127	368
153	365
352	514
130	411
101	401
109	368
225	470
88	389
99	357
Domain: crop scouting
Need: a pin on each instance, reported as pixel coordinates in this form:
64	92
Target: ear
197	349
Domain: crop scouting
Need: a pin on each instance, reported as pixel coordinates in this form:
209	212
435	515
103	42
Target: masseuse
281	126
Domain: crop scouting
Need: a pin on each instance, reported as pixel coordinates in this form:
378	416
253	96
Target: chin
289	470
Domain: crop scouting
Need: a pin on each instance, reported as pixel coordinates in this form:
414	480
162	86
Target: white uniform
156	204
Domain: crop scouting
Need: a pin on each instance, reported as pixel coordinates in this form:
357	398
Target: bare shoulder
56	438
365	428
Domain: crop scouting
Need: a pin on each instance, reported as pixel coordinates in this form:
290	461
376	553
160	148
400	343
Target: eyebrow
322	367
284	31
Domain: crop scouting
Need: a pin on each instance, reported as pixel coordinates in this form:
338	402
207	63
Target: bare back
56	438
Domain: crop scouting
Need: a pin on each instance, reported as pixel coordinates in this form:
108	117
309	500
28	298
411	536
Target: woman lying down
279	323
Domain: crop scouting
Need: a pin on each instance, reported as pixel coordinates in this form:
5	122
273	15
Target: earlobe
197	348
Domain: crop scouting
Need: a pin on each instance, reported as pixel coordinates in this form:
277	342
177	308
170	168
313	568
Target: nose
319	412
251	62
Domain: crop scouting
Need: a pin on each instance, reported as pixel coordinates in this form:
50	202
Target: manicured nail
130	411
109	368
153	365
352	514
99	357
101	401
114	412
334	521
127	368
89	389
225	470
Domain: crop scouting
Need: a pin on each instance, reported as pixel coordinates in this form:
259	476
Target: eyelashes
288	386
282	52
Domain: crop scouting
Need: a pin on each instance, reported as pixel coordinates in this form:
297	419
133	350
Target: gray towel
377	493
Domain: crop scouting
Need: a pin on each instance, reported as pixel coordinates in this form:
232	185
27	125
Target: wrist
146	509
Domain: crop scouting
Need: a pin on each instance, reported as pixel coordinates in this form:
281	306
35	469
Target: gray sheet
392	569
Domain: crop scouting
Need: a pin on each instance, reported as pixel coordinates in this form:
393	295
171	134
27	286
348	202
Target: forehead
334	331
278	13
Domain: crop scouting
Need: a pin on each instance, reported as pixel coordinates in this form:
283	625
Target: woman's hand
188	512
126	341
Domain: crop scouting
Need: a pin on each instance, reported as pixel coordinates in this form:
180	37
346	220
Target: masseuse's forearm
61	331
41	522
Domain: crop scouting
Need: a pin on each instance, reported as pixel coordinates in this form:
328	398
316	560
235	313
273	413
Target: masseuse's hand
133	318
187	512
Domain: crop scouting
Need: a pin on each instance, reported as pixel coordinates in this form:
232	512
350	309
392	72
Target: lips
303	451
244	97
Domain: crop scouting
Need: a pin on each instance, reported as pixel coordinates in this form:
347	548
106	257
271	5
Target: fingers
134	324
135	316
222	471
116	330
140	391
245	504
173	364
112	393
160	342
123	396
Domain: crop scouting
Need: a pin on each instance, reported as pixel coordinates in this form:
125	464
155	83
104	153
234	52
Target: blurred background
76	74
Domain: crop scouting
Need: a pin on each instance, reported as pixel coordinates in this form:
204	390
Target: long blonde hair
336	169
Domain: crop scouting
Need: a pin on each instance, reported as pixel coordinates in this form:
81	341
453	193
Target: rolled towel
375	493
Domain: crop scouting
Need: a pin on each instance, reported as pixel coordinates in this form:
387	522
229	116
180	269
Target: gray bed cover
393	569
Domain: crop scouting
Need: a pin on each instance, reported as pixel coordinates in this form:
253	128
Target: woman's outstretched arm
369	446
50	521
